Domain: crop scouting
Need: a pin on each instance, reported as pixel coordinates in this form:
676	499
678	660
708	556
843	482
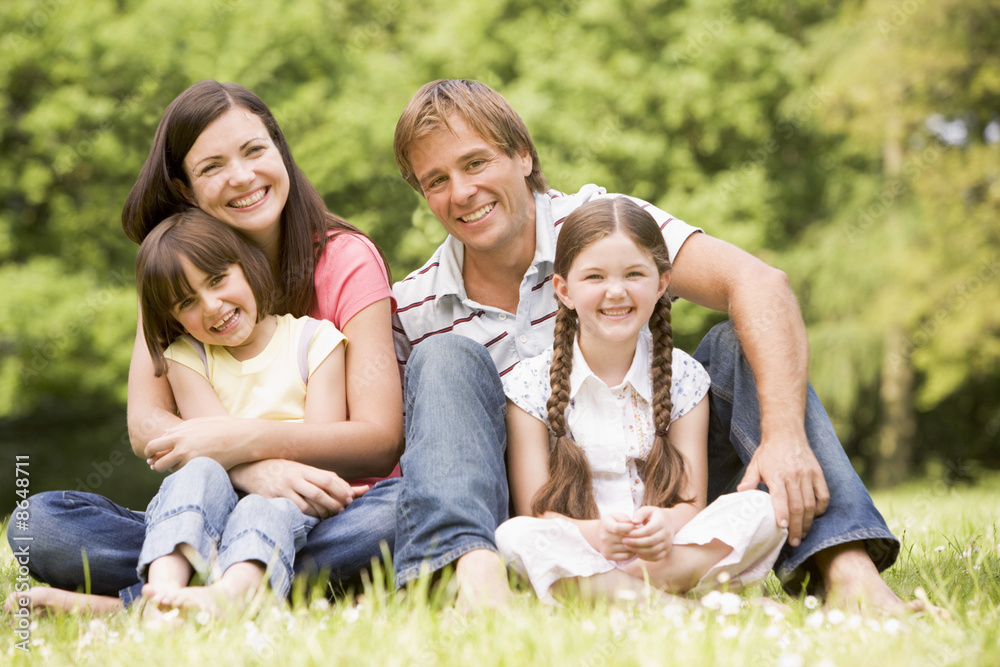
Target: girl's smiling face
613	285
220	309
237	175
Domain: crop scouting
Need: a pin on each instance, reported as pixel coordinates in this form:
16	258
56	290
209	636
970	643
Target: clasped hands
648	534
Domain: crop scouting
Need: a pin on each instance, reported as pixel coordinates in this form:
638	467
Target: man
463	148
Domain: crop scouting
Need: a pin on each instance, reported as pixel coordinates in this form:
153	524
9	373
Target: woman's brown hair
156	195
568	489
212	247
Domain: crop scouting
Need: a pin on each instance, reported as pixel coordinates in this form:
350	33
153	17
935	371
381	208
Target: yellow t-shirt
269	386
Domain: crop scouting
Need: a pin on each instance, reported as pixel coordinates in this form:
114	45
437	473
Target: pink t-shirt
350	276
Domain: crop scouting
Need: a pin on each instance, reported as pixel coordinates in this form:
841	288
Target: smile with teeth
249	200
226	321
476	215
616	312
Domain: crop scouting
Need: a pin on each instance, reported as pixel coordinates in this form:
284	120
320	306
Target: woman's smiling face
236	174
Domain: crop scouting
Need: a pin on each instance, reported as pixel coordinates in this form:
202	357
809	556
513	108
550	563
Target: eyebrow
219	157
603	269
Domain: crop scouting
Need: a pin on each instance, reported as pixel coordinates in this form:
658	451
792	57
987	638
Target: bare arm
151	408
527	457
769	325
193	393
367	445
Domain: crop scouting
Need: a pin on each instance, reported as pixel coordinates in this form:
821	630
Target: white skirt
547	550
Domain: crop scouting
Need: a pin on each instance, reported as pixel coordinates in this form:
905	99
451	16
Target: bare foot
44	600
231	594
617	587
482	581
217	599
853	583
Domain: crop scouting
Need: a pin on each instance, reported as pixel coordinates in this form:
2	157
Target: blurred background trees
856	145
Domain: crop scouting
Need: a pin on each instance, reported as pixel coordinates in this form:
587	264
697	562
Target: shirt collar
449	276
545	231
451	255
639	373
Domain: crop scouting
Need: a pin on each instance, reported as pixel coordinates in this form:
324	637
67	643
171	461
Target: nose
615	289
211	303
462	188
240	173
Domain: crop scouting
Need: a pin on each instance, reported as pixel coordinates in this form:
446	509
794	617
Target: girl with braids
607	433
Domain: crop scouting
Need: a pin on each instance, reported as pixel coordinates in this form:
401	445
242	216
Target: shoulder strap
308	331
200	347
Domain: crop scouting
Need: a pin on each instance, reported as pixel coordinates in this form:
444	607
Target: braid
568	488
664	469
562	365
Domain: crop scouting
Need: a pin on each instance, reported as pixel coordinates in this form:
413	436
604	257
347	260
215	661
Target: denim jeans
454	491
76	537
198	506
734	435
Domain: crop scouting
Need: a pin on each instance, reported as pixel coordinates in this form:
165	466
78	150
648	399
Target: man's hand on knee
795	481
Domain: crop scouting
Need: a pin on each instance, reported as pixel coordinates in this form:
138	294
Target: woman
219	147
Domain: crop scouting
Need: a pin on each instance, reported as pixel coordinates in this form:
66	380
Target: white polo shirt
433	300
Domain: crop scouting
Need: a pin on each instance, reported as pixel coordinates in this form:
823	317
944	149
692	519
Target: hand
653	535
611	529
317	492
218	438
795	481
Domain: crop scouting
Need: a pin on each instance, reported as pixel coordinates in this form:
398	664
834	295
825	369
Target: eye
635	274
255	150
209	169
215	280
184	304
594	276
434	183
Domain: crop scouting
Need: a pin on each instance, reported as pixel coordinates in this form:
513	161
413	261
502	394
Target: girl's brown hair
568	489
305	221
210	245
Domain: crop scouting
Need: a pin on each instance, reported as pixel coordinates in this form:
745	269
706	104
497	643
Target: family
544	424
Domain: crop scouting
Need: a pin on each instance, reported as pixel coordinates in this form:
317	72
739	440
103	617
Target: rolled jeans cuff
162	538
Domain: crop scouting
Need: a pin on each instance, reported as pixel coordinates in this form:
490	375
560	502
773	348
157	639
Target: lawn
951	549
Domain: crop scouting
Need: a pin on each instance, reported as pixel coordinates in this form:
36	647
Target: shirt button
523	339
503	316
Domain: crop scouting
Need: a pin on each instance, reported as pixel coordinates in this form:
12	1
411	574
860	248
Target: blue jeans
75	536
198	506
454	491
734	435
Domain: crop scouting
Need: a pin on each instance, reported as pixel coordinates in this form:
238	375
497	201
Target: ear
186	191
527	164
664	283
559	285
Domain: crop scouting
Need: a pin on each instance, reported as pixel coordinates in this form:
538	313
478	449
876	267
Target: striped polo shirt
432	300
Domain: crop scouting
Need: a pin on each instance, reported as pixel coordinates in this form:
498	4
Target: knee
254	504
48	526
525	532
45	511
721	339
201	470
447	353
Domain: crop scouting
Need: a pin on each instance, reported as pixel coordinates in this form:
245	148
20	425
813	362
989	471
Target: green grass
951	548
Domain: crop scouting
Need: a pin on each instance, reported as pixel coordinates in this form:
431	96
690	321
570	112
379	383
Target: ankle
844	564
